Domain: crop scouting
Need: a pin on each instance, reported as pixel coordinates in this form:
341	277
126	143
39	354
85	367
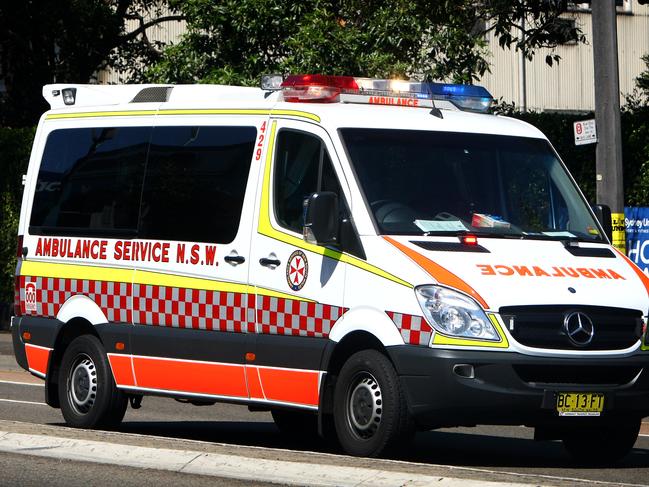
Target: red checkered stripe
52	292
185	308
279	316
414	329
18	286
193	308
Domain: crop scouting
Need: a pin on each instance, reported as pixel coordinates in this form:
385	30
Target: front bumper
511	388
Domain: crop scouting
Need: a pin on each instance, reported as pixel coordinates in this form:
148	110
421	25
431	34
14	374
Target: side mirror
321	223
603	214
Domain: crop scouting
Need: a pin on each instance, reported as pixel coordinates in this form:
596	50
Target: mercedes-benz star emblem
579	328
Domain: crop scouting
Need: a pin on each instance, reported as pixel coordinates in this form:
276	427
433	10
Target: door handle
269	262
234	259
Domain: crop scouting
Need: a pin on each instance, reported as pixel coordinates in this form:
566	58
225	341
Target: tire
87	391
370	409
296	424
605	444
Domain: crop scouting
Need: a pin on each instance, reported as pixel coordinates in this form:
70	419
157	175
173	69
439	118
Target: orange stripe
294	386
643	277
37	358
437	272
197	377
122	369
254	386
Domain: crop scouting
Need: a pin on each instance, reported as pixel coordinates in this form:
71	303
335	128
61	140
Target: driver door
299	286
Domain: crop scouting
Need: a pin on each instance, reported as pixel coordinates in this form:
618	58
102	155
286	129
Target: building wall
569	86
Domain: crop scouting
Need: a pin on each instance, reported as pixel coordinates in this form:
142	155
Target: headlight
455	314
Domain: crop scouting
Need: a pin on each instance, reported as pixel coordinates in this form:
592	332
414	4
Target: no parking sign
585	132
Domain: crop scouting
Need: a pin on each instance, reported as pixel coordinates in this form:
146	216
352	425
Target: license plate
580	403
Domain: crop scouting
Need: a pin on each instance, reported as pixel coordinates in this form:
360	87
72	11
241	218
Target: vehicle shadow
243	433
450	448
492	451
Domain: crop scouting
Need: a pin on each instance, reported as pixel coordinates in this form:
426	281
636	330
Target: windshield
441	183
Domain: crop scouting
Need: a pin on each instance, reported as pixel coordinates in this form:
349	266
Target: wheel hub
82	385
365	406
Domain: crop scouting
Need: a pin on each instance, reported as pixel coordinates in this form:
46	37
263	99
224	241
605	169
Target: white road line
24	402
224	466
14	382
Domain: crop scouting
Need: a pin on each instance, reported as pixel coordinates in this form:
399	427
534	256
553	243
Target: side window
90	181
195	183
302	167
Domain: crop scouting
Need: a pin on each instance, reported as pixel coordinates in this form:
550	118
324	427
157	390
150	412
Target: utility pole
522	74
608	165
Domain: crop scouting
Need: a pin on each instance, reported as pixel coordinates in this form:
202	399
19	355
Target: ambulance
363	258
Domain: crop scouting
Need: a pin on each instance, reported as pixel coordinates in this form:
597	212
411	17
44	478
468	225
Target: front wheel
606	443
87	391
370	410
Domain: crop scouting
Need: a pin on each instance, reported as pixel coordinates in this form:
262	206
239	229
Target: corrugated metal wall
570	85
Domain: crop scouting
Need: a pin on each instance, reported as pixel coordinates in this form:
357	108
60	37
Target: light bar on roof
317	88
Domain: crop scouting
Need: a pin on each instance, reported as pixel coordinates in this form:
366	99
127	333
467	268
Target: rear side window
195	183
90	181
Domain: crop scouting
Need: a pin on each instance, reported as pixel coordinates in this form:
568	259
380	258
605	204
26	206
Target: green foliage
15	146
67	41
236	41
635	152
643	79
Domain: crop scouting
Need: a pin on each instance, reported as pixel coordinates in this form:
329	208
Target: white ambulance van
361	257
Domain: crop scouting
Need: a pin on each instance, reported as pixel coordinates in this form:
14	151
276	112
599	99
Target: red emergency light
469	239
316	87
321	88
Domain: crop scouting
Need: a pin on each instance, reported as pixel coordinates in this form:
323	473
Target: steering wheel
388	212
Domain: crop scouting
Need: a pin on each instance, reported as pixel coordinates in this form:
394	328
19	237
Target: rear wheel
87	391
607	443
370	410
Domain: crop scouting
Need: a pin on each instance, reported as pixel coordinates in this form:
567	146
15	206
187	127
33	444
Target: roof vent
153	94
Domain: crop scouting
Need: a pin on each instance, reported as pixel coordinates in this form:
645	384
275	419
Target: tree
235	41
45	41
642	81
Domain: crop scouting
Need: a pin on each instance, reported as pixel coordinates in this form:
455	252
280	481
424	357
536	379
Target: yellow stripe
112	274
200	111
73	271
124	113
439	339
265	227
295	113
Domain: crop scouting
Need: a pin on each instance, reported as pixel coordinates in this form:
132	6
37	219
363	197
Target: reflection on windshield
420	182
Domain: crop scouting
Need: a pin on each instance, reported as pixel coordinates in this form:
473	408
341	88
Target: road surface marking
24	402
14	382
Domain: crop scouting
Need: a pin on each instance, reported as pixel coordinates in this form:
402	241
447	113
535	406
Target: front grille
577	374
543	326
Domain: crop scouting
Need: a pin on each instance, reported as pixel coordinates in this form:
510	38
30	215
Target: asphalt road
496	453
